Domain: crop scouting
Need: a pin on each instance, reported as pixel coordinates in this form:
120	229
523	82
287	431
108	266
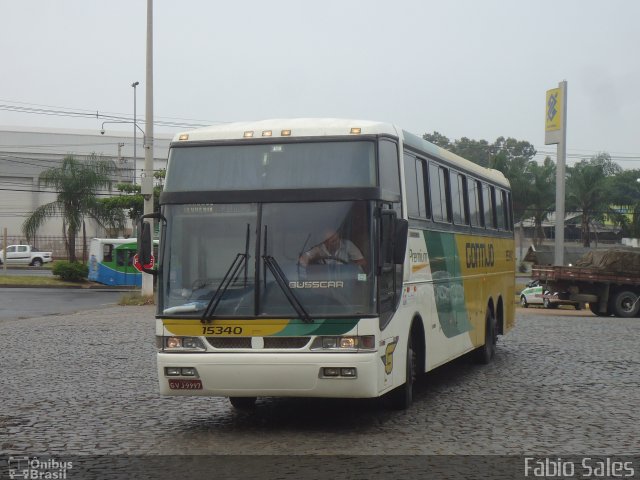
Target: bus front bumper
271	374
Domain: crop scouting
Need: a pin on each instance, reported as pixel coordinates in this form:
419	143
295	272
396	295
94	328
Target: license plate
180	384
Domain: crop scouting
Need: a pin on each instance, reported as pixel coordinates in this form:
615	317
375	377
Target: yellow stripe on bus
226	328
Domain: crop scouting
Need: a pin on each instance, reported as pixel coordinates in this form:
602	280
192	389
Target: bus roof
421	144
298	127
331	127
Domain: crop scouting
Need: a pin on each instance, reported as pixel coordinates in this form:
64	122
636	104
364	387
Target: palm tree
76	184
587	190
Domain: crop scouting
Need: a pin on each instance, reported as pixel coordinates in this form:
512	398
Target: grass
136	299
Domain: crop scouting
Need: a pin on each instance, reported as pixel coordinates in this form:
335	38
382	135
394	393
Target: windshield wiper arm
231	274
283	283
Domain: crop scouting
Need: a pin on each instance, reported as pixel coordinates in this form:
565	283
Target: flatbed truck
607	293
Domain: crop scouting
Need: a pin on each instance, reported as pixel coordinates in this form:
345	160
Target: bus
111	262
325	258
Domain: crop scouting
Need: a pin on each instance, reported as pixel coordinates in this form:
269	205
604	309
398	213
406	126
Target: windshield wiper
283	283
229	277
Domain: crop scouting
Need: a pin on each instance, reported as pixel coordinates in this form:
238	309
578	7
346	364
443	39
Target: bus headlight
183	344
345	343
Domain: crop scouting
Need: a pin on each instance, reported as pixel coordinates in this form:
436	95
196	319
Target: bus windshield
250	259
271	166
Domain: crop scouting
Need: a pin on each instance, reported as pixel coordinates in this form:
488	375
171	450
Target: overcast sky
474	68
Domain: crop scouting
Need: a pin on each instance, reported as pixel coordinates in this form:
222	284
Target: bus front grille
264	342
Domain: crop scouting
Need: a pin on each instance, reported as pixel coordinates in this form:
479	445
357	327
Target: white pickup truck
25	255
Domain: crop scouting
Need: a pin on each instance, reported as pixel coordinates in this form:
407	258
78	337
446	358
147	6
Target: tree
587	190
131	199
76	185
541	195
624	189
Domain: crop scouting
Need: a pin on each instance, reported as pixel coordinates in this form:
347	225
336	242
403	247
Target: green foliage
132	201
70	271
588	192
540	194
76	184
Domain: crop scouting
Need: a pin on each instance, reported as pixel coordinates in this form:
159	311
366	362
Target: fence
54	244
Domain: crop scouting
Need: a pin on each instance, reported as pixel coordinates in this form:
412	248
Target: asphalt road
39	302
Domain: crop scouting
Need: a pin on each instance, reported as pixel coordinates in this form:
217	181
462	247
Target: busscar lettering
317	284
480	255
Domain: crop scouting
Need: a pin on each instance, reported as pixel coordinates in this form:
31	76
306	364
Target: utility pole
556	132
147	179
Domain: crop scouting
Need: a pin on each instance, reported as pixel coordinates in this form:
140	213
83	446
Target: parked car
536	294
532	294
26	255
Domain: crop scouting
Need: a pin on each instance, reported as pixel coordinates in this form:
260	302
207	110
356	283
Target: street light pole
135	142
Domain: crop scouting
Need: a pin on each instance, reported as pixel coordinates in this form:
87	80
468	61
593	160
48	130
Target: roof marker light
285	133
266	133
248	134
355	131
184	136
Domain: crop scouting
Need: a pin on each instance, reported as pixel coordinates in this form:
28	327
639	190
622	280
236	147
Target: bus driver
333	249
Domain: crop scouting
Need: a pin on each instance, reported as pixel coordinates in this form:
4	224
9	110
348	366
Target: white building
26	152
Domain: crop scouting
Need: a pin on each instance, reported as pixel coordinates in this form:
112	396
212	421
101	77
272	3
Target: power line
48	110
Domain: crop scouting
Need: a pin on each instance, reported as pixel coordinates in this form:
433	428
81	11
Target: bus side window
500	210
439	193
488	207
107	252
473	194
509	211
389	168
458	193
415	187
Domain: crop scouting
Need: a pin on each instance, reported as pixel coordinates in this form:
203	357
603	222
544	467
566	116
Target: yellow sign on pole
553	117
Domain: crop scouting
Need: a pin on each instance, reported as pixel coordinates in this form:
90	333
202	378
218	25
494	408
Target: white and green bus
325	258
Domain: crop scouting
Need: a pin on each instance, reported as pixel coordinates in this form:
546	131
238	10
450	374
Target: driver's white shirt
347	252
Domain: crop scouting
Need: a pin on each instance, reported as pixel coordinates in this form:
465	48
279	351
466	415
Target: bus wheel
486	352
400	398
625	304
243	403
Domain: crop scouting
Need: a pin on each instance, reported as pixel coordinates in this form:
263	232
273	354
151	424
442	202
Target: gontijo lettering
479	255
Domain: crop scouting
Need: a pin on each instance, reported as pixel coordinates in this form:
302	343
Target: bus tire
400	398
625	304
486	352
243	403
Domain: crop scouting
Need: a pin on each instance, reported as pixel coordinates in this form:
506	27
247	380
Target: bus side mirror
144	243
400	241
394	237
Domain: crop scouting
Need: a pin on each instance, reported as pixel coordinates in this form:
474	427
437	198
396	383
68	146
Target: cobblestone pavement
86	384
